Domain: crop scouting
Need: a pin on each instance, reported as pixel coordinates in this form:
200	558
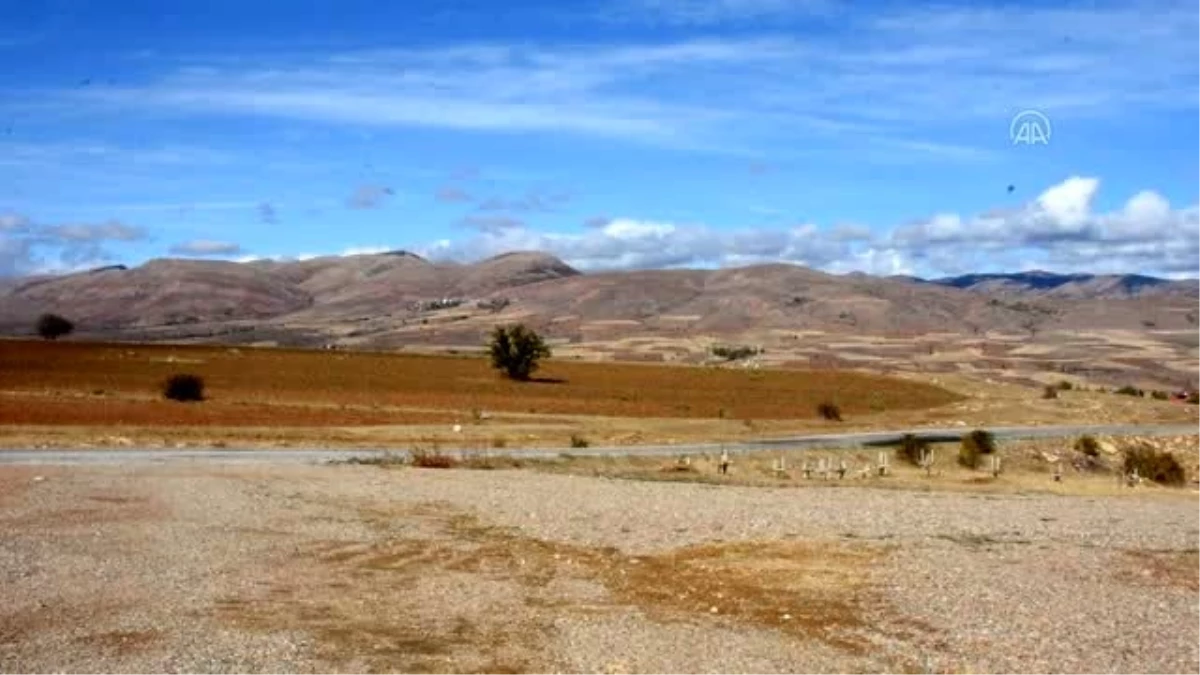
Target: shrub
517	350
974	446
968	455
1050	391
1088	445
1193	398
432	459
734	353
1159	395
910	449
53	326
829	411
982	440
1160	467
184	387
1065	386
578	441
1130	390
499	441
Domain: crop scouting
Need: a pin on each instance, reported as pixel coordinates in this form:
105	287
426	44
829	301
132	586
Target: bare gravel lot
358	568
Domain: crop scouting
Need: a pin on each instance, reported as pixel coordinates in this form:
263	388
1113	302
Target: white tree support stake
927	461
781	466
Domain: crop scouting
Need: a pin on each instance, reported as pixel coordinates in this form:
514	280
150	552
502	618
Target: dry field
1150	359
108	394
315	378
183	568
87	395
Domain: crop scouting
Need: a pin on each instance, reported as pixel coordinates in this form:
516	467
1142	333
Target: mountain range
399	298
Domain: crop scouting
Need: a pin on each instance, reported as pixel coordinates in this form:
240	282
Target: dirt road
319	455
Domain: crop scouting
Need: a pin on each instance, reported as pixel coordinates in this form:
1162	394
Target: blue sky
871	136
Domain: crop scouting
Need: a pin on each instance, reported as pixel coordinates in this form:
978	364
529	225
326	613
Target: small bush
910	449
982	440
53	326
974	446
1130	390
1065	386
184	387
829	411
1088	445
432	459
1050	391
1160	467
734	353
1194	398
499	441
1159	395
578	441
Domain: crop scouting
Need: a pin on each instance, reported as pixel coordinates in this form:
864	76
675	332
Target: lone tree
516	350
53	326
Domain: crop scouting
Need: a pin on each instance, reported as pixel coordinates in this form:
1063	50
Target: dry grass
121	642
293	377
812	590
1024	472
1175	569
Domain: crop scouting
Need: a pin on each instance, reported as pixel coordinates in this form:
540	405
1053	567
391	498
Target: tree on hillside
516	350
53	326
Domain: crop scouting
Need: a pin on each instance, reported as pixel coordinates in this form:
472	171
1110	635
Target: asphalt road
324	455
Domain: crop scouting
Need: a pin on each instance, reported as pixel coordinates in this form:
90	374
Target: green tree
516	350
53	326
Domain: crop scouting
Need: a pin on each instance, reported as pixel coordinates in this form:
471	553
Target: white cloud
1060	228
702	12
626	243
12	222
369	196
1069	202
27	246
205	248
364	250
25	154
893	83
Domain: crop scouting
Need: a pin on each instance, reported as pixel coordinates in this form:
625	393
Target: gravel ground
354	568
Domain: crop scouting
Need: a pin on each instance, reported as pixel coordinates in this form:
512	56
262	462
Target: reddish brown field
97	383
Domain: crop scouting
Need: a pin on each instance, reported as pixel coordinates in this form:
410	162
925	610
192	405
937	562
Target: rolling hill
320	297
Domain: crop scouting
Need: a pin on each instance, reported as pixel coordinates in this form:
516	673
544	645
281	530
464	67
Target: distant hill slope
397	297
1037	283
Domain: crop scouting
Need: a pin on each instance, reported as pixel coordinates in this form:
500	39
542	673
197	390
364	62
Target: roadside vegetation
974	447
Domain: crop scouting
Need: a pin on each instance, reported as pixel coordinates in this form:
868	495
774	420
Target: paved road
320	455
